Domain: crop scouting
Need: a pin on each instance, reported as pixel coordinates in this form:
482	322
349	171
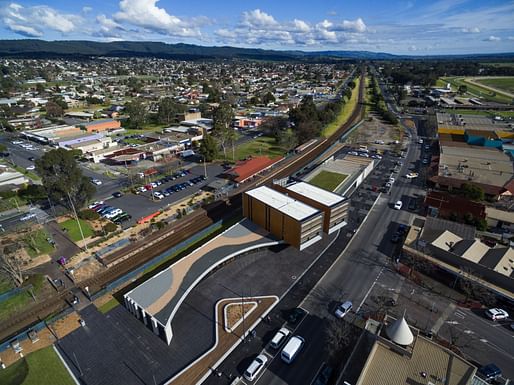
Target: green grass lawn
13	305
503	84
38	368
72	229
263	145
133	141
109	305
345	112
20	300
37	243
5	284
328	180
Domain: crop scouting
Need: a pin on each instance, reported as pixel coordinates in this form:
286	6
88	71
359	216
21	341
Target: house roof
248	168
451	203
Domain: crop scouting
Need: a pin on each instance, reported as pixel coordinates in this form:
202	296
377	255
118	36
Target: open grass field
475	90
40	367
20	300
72	229
263	145
328	180
37	243
345	112
503	83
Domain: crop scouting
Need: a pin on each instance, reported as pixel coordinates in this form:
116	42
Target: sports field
504	83
475	90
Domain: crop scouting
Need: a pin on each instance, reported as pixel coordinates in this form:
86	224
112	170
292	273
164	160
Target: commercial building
250	168
286	218
453	247
10	178
334	206
102	125
393	353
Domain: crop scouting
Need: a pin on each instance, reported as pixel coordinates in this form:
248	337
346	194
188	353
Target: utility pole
77	219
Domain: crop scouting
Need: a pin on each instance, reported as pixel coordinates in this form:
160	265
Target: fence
11	293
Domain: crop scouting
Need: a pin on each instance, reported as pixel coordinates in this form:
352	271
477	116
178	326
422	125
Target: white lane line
370	289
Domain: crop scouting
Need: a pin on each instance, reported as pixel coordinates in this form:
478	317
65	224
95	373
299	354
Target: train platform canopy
156	300
247	169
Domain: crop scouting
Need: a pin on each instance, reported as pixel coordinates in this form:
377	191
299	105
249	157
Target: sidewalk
13	212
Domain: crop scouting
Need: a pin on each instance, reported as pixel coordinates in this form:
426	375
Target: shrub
110	227
89	215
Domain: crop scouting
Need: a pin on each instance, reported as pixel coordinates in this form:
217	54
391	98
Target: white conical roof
400	333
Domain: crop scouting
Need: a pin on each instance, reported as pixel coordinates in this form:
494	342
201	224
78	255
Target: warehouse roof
316	193
283	203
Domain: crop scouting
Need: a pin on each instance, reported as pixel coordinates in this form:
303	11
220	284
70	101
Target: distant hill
33	48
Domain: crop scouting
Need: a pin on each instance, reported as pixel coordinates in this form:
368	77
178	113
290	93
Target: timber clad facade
334	206
287	219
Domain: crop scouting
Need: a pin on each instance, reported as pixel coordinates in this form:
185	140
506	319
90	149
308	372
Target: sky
416	27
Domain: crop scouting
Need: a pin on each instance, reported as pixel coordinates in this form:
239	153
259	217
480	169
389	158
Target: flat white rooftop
317	194
283	203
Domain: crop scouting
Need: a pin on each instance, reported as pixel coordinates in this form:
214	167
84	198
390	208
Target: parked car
412	175
117	194
279	338
496	314
292	348
398	205
296	315
28	216
489	372
31	167
343	309
97	182
255	367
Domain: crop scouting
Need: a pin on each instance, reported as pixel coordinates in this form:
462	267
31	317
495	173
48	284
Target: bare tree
338	335
11	267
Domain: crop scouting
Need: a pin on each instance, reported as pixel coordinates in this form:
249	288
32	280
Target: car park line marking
317	372
370	289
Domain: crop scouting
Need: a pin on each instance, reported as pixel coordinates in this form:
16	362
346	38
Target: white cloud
108	27
24	30
471	30
258	19
34	20
353	25
146	14
510	38
492	38
86	9
301	26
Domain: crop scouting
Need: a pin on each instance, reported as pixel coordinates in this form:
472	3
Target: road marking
483	340
469	332
369	291
452	322
317	372
440	321
459	314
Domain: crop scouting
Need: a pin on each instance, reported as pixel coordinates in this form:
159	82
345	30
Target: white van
292	348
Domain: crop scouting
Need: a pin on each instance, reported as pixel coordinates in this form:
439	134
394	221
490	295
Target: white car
412	175
31	167
391	180
398	205
496	314
279	338
343	309
97	182
158	195
112	214
255	367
